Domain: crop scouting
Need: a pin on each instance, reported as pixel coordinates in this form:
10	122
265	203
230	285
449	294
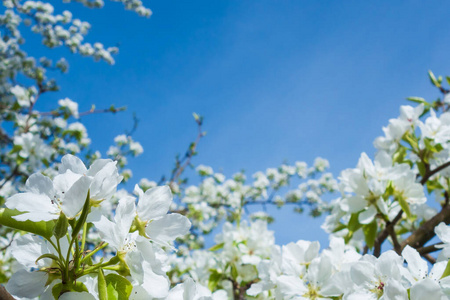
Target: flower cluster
217	198
62	210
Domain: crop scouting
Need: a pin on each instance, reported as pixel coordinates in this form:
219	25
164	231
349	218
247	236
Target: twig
429	249
4	295
427	175
429	258
181	165
382	236
14	173
9	244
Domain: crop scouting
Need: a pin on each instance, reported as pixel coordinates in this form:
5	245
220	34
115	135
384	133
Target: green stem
110	262
68	256
57	248
83	239
100	247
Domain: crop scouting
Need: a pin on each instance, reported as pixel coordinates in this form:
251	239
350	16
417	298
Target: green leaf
44	229
400	155
16	149
353	223
102	288
61	226
405	206
370	233
83	215
196	116
421	167
433	79
411	140
447	270
433	185
216	247
339	227
118	287
418	100
48	255
214	280
234	272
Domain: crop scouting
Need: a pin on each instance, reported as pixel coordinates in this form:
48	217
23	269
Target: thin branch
393	235
14	173
135	125
434	171
430	258
9	244
382	236
429	249
181	165
85	113
4	295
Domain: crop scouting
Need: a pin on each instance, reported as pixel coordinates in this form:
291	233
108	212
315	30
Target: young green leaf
118	287
61	226
102	288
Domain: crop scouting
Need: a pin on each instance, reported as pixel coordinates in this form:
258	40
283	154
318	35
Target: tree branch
434	171
382	236
426	232
428	249
4	295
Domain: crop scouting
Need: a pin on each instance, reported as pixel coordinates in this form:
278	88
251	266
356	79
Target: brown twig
426	232
429	249
4	295
180	165
427	175
429	258
13	173
382	236
85	113
393	235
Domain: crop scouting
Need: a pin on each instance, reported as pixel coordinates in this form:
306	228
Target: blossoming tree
69	230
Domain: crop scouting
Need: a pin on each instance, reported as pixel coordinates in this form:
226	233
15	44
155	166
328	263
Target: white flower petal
168	228
40	206
75	197
154	203
291	286
394	290
367	216
63	182
416	265
426	289
26	249
109	233
362	273
72	163
157	286
40	184
26	284
443	232
125	213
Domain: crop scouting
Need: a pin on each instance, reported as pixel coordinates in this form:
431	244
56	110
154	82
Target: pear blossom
45	201
152	209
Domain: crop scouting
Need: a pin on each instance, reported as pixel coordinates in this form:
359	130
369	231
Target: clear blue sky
275	80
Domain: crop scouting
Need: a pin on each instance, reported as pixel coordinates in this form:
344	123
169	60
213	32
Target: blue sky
275	80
